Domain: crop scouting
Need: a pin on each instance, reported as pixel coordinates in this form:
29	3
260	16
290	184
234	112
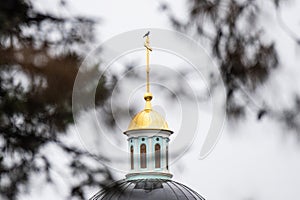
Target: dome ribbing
147	189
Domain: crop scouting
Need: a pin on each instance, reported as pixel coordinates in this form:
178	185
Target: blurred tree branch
245	59
39	58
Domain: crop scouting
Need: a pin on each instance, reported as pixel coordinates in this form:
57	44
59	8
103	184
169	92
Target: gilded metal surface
148	49
148	118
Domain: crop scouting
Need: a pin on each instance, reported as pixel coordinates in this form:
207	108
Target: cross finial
148	95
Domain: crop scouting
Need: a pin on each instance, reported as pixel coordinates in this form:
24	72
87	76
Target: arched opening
167	157
131	157
157	156
143	156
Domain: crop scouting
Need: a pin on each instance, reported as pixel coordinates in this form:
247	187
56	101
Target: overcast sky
252	160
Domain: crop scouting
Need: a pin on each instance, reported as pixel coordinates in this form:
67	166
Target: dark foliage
34	113
245	59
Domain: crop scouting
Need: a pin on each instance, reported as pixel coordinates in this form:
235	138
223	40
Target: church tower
148	138
148	143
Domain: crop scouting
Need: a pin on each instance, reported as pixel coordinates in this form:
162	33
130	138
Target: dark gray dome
147	189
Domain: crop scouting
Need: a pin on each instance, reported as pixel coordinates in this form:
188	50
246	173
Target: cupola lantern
148	137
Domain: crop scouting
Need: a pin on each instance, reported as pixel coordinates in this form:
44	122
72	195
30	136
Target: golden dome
148	119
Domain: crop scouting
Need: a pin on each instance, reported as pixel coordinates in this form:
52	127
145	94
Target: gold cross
148	49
